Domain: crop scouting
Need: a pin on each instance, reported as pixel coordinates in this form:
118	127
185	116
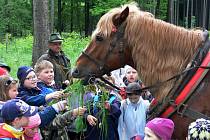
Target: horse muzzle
76	73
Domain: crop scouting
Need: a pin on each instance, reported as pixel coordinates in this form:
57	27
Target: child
199	130
28	90
9	91
133	117
95	130
45	74
159	129
8	88
31	131
15	114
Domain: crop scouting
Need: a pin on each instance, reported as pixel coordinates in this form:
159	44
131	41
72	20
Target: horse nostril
75	72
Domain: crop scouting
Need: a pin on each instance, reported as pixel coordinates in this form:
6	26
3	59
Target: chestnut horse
158	50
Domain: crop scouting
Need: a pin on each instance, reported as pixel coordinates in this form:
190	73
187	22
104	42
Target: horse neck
160	50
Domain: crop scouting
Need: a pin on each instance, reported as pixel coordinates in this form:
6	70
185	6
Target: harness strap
189	88
174	77
109	83
184	110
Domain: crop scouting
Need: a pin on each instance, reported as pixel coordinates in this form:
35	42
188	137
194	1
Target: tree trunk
52	11
204	13
41	28
71	15
59	16
157	13
192	23
87	17
78	17
170	11
208	15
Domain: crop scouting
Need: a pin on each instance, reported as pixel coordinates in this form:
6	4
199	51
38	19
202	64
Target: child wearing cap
132	120
32	130
8	88
29	91
15	114
199	130
159	129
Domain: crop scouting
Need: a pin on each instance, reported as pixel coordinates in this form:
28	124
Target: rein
174	77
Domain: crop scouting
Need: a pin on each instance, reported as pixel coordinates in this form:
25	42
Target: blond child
30	92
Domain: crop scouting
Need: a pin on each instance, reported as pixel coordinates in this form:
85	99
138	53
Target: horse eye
99	38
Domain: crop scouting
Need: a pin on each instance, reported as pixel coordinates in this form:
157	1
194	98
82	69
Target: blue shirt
132	120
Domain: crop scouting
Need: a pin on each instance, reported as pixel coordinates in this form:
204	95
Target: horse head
107	50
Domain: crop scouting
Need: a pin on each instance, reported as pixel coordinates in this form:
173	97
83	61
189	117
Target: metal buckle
181	109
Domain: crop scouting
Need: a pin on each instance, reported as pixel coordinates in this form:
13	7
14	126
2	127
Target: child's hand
91	120
107	105
54	95
60	106
79	111
66	82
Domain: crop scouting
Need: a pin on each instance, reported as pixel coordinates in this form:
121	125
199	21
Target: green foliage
19	50
15	17
74	44
101	7
77	92
162	13
17	53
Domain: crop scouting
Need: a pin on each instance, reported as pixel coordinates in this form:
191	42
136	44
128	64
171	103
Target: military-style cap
133	87
55	37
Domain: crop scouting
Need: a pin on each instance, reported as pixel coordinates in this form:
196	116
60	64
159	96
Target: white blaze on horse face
150	135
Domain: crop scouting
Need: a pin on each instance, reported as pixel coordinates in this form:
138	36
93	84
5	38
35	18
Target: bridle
118	37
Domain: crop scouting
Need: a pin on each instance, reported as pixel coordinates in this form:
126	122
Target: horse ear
119	19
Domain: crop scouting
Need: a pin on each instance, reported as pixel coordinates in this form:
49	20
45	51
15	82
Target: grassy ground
19	51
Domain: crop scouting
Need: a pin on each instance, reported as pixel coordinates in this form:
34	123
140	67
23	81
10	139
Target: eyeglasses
31	78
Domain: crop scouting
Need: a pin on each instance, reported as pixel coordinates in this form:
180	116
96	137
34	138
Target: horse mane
159	49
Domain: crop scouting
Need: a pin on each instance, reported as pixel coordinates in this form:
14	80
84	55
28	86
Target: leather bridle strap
102	67
118	38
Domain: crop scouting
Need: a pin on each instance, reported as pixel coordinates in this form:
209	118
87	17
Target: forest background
26	24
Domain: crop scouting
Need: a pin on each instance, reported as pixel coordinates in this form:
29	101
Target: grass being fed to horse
157	49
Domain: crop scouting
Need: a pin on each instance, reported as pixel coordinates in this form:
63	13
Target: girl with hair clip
8	88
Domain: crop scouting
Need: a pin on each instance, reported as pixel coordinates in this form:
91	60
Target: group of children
25	108
34	89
